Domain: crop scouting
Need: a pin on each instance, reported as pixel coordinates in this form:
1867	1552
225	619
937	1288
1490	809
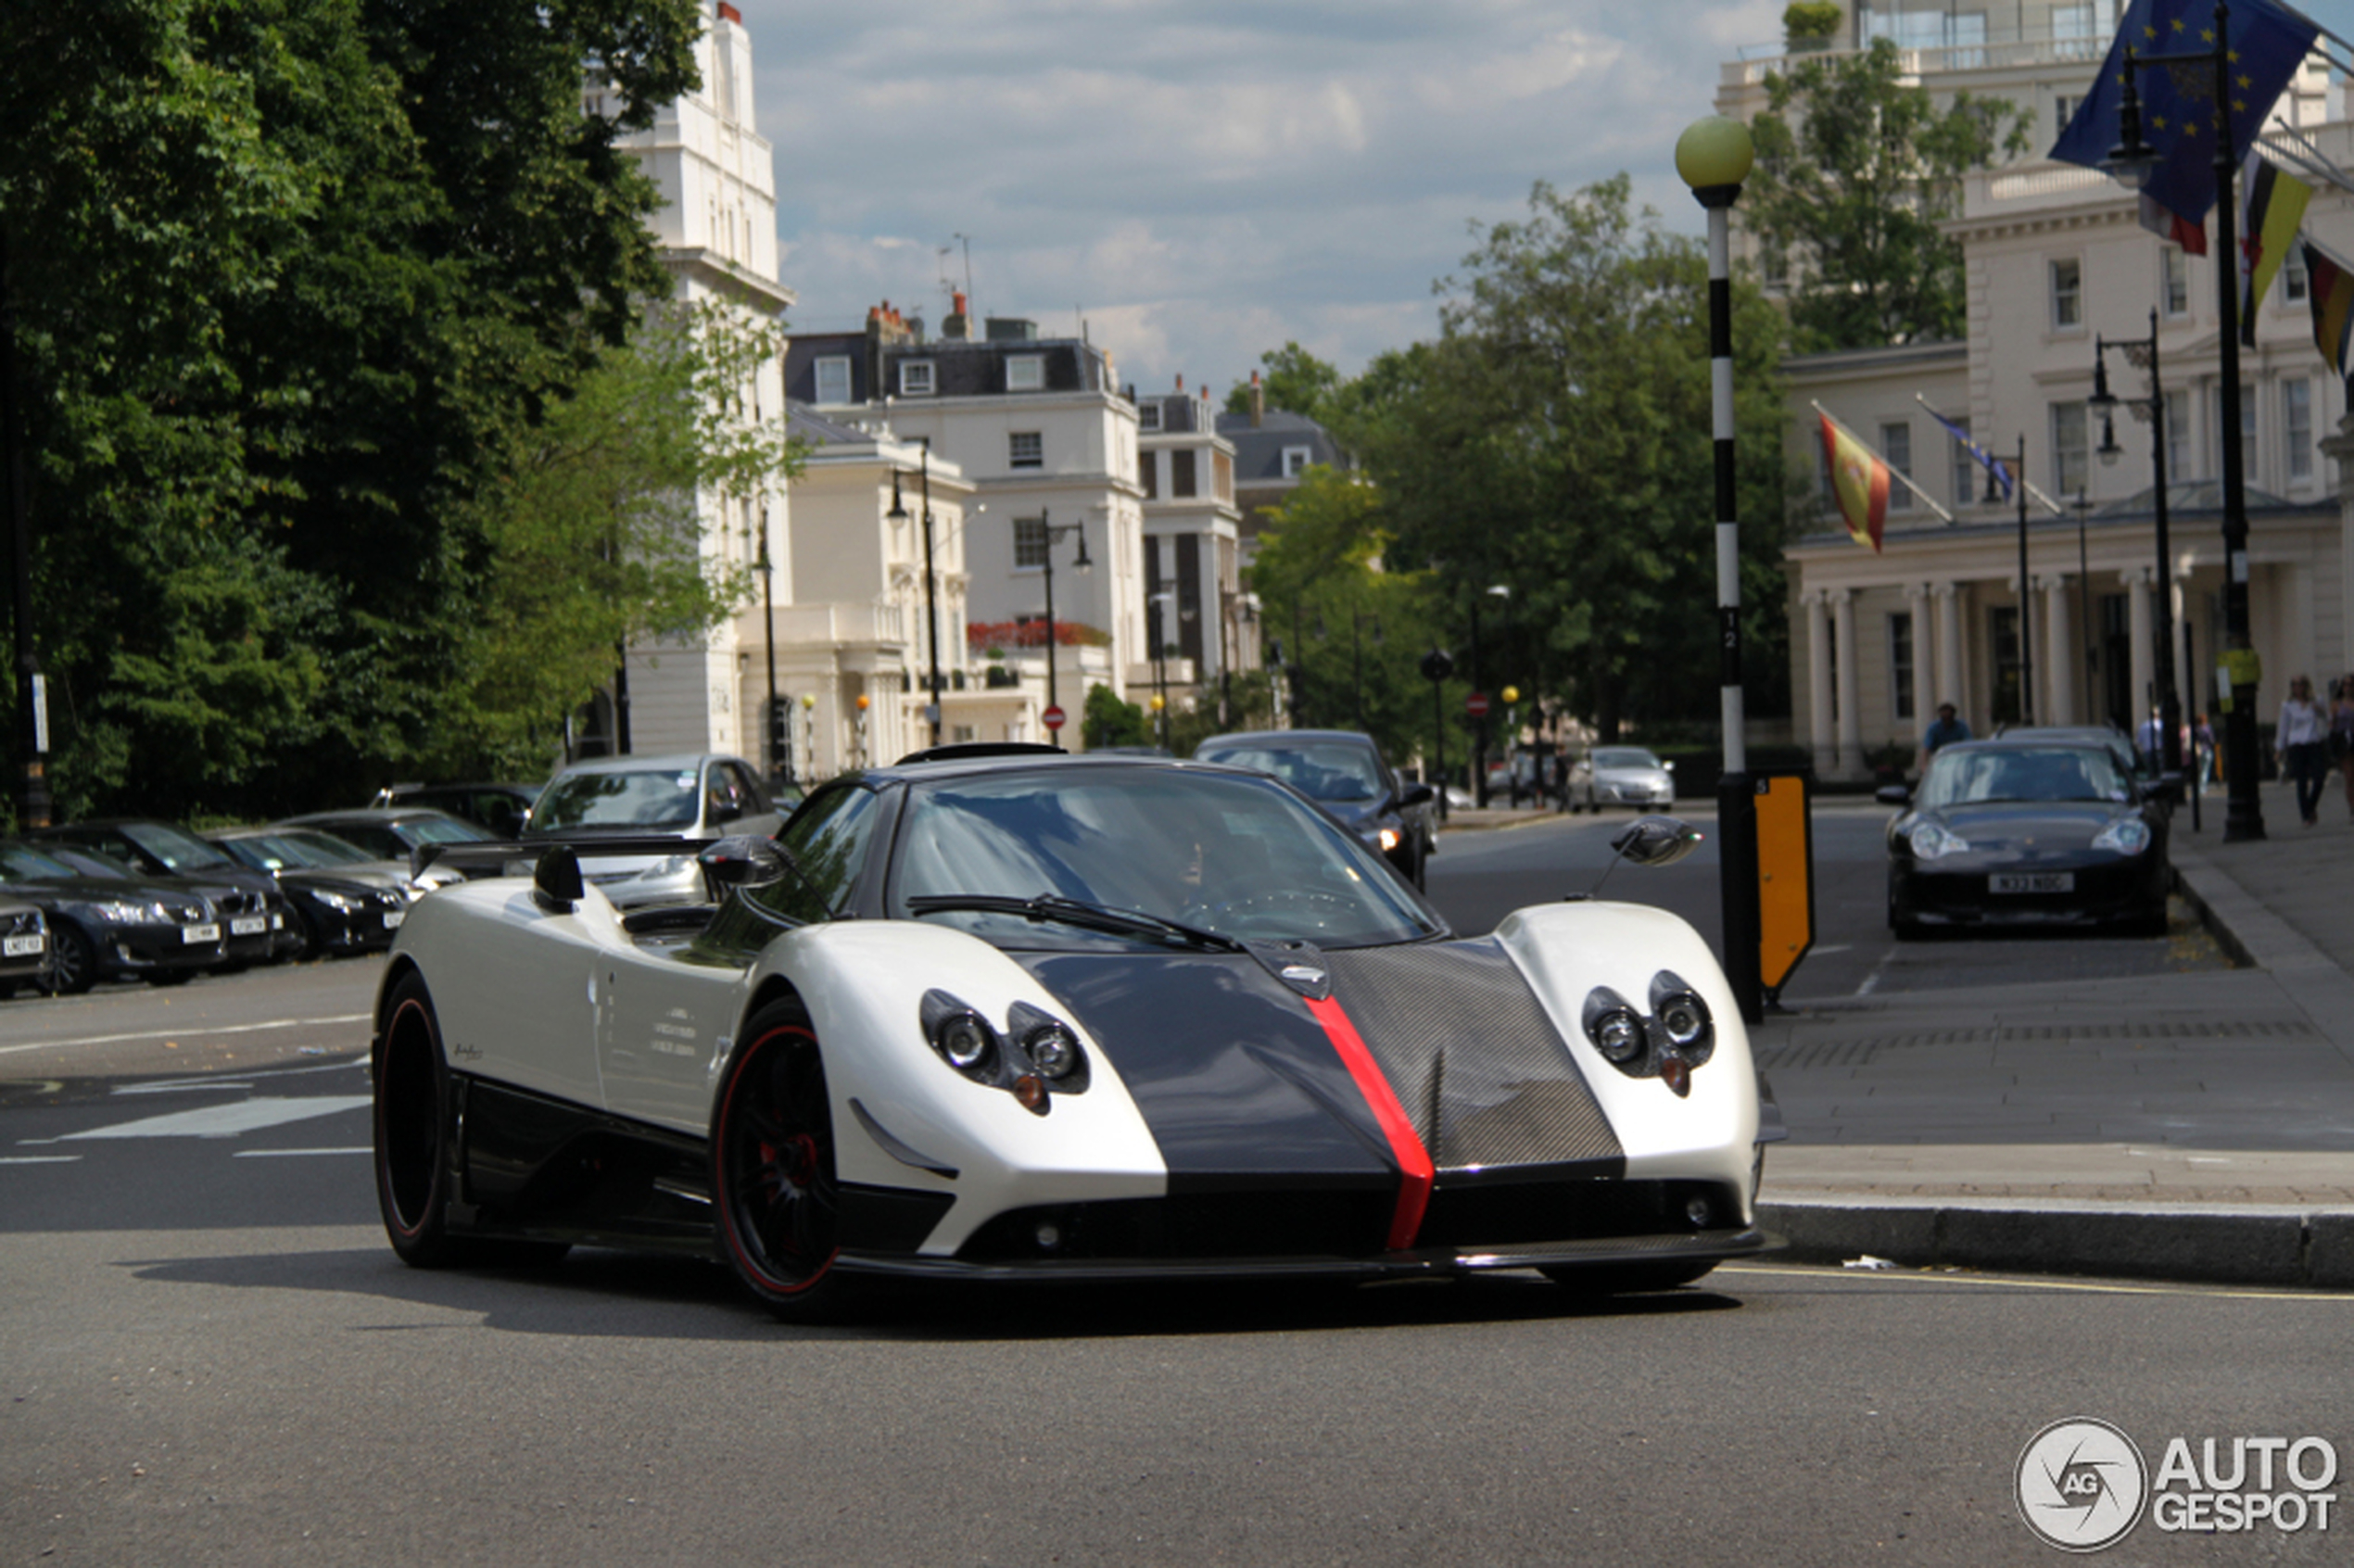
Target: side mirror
740	861
555	882
1894	794
1415	794
1655	841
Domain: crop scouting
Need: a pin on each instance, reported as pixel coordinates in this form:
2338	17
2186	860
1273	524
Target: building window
1965	474
833	379
2178	434
1148	415
1030	542
1025	449
916	378
2069	473
2063	110
2067	296
2293	276
1026	373
2174	279
1180	471
2297	425
1296	460
1148	473
2002	641
1899	662
1896	446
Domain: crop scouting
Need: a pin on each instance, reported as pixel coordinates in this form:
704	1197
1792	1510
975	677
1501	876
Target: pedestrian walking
2151	739
2342	734
2203	755
1948	728
2300	742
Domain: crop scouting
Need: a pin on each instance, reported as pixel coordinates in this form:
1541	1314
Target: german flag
2272	210
2330	289
1859	483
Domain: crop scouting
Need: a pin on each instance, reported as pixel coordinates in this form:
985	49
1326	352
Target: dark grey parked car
1343	772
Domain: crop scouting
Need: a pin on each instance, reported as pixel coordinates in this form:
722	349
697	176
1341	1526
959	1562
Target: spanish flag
2330	287
2272	210
1859	483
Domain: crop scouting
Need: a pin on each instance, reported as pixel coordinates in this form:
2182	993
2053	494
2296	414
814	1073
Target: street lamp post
2132	162
1713	157
1160	670
779	755
1051	534
2138	351
2026	600
33	702
898	513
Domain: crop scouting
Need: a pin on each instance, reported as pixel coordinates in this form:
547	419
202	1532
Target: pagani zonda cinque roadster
1036	1017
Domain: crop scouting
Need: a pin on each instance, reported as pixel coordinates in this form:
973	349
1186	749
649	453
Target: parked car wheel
412	1131
773	1187
74	965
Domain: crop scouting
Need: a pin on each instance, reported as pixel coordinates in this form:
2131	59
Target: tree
1296	382
1855	172
1107	721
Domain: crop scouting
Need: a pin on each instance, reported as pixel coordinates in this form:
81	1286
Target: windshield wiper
1071	912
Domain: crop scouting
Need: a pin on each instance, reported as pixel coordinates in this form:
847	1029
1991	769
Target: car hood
2029	824
104	890
345	879
1258	1081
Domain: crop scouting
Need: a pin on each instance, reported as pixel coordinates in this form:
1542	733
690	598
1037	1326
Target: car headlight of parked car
128	911
341	903
2127	835
1930	842
1388	840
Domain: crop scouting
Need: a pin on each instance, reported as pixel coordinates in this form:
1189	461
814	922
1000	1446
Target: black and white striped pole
1713	157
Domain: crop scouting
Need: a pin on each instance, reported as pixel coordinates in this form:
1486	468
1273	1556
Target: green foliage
1856	171
1810	24
1107	721
1296	382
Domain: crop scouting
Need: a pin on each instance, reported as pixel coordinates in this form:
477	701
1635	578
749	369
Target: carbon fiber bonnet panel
1483	1074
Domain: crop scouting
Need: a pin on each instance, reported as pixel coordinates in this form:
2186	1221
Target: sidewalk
2195	1126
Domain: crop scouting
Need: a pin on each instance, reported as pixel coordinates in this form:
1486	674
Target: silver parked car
1627	776
699	796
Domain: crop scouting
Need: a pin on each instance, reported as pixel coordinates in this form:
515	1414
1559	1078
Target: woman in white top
2302	741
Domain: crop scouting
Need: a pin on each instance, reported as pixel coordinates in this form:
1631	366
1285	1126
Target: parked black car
503	809
252	911
1343	772
390	832
339	899
118	924
2026	832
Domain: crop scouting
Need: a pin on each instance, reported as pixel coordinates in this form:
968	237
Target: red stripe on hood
1405	1144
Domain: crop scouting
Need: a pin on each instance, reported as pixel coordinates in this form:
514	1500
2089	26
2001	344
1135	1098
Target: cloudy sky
1204	181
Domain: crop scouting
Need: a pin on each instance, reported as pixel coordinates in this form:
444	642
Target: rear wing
509	858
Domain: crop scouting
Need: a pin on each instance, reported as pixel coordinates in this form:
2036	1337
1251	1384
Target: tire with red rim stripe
776	1201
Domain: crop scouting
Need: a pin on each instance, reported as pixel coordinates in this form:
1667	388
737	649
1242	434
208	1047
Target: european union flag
2267	41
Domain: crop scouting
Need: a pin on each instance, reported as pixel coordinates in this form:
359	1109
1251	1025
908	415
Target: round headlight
1388	840
1618	1035
1052	1050
965	1041
2127	835
1684	1019
1930	842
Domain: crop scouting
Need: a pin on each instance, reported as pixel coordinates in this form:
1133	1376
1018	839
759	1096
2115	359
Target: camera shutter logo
2080	1484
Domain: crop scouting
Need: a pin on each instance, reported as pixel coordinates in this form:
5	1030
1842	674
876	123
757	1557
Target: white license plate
191	935
22	947
2031	882
392	921
248	925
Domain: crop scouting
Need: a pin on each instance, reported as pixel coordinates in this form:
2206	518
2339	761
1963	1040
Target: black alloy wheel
775	1198
412	1117
308	943
73	963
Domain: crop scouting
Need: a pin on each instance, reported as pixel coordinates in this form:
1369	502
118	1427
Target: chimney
1181	381
729	14
1258	402
958	326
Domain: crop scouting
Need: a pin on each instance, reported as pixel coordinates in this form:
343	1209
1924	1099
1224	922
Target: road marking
283	1154
225	1121
1871	981
38	1159
198	1033
2010	1281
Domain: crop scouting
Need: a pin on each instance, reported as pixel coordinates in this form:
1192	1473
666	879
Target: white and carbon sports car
1031	1016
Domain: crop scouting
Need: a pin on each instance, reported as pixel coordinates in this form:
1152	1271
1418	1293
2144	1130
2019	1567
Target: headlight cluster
128	911
1676	1034
2127	835
1930	842
342	903
1034	1057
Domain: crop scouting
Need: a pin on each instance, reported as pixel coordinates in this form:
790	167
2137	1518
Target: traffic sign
1476	704
1053	717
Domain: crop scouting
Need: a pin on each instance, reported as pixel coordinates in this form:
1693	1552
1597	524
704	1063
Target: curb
2206	1246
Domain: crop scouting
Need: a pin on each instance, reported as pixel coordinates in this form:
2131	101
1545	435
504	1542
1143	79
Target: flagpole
2244	808
2026	602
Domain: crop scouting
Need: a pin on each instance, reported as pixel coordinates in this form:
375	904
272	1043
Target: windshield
1227	854
280	852
1332	770
440	830
2039	773
641	799
20	864
1625	756
182	852
306	848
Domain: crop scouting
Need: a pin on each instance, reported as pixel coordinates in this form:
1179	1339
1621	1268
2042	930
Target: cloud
1207	181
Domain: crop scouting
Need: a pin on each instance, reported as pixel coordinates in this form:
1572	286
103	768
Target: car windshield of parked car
1625	756
282	852
22	865
1332	770
639	798
318	850
441	831
2037	773
1231	856
181	853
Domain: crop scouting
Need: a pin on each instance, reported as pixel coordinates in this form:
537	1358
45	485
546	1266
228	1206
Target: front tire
775	1196
412	1117
73	966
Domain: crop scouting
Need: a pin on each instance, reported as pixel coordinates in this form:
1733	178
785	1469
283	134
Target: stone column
2062	661
1953	670
2145	660
1925	672
1818	682
1851	717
